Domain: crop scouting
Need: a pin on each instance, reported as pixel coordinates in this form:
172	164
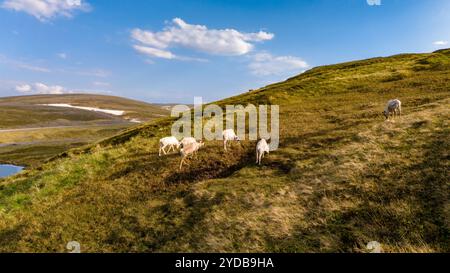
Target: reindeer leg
181	163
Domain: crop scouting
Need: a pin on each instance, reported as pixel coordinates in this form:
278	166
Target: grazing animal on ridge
261	148
393	107
228	136
190	150
170	142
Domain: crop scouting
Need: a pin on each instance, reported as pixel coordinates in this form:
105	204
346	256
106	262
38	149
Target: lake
7	170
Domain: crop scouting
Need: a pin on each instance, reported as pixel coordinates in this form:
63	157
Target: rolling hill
35	128
342	177
39	114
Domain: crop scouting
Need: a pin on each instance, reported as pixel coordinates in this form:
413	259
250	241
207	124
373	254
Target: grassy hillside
35	146
31	132
342	177
14	109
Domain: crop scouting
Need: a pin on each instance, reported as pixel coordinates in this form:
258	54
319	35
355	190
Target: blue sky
171	51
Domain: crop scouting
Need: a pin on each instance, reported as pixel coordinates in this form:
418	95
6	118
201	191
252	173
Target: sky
170	51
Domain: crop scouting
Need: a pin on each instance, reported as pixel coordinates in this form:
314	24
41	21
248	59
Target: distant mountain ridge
34	110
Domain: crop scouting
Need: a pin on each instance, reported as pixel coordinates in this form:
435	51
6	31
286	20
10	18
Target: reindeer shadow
210	163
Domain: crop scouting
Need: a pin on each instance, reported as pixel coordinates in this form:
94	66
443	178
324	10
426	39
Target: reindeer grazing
261	148
190	150
228	136
393	107
170	142
187	140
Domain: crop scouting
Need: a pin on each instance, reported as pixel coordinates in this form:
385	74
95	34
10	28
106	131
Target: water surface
7	170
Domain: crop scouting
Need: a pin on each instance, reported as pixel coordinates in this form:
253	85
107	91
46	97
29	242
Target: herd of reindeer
189	146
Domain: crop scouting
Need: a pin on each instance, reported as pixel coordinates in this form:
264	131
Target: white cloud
440	43
89	72
99	73
264	64
44	89
374	2
45	10
224	42
62	55
154	52
24	88
40	88
101	83
23	65
32	67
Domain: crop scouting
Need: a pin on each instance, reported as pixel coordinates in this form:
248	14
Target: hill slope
31	131
14	109
342	177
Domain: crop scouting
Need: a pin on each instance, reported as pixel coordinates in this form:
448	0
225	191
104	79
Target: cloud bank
40	88
440	43
22	65
265	64
44	10
222	42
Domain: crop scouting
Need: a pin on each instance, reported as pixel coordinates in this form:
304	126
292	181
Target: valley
36	128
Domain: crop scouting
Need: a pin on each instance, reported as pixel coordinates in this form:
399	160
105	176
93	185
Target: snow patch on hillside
107	111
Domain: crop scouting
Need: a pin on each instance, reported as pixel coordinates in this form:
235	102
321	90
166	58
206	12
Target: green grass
44	132
341	178
14	109
33	147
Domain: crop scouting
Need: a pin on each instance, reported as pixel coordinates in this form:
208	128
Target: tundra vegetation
31	132
342	176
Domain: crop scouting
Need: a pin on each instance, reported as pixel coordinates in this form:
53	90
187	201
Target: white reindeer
393	107
261	148
228	136
187	140
170	142
190	150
